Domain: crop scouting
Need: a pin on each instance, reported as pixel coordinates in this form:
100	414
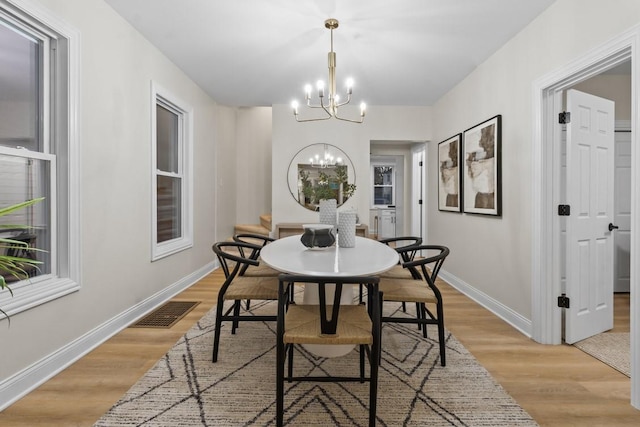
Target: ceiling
260	53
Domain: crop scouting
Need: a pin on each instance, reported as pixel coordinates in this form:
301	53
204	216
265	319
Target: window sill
169	248
29	294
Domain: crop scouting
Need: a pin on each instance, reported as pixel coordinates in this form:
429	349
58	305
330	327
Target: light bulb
363	107
294	105
349	86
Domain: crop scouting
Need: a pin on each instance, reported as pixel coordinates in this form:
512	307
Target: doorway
403	212
546	286
387	197
614	85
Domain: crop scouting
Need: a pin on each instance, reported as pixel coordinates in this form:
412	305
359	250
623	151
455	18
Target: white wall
253	171
223	181
381	123
494	254
116	67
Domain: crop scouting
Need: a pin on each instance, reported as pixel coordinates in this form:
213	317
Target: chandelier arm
315	106
324	107
350	120
311	120
315	119
345	102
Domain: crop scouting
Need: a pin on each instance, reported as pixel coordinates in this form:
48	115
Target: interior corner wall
253	169
382	123
117	66
493	254
226	178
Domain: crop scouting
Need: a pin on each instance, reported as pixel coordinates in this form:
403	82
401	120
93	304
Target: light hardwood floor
557	385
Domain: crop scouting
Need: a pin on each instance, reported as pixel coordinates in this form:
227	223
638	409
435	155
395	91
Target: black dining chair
423	292
405	246
259	241
233	256
329	323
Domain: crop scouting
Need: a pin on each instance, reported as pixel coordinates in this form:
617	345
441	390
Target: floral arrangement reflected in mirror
321	171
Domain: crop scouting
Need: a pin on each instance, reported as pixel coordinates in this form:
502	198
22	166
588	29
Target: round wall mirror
321	171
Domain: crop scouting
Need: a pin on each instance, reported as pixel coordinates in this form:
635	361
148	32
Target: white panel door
622	214
589	245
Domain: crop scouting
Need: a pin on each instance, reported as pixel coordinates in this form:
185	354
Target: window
172	147
38	91
383	177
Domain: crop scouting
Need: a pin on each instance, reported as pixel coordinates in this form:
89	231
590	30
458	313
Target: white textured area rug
185	389
612	348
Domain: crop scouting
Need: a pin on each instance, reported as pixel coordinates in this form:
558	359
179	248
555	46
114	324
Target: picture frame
449	174
482	183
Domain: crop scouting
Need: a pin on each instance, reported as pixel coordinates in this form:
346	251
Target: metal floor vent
167	315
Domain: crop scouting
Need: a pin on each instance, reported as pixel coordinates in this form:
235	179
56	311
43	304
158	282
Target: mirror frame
302	157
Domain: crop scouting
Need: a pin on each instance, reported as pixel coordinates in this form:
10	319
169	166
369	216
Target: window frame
59	137
165	99
374	186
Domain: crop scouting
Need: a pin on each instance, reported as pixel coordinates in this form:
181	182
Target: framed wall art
481	168
449	194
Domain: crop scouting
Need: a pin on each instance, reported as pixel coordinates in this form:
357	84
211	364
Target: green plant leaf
19	206
12	265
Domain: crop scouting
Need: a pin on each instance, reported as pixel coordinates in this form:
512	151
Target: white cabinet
386	223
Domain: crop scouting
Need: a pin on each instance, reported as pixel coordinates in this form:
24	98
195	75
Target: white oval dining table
367	258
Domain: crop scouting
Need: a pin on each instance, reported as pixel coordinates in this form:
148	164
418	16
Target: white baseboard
516	320
18	385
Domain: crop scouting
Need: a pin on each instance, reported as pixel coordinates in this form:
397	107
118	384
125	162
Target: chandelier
327	161
330	106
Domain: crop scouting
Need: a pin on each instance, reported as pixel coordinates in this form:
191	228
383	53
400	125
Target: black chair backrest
406	250
329	325
258	240
233	251
405	245
433	261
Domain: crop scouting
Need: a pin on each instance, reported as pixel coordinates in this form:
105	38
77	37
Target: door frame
546	317
622	127
419	212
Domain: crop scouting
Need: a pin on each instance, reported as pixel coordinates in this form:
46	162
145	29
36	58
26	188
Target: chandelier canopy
330	106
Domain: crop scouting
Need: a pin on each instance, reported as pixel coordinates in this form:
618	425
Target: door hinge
420	201
564	210
564	118
563	301
420	164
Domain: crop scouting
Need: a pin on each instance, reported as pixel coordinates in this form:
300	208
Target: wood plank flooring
557	385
